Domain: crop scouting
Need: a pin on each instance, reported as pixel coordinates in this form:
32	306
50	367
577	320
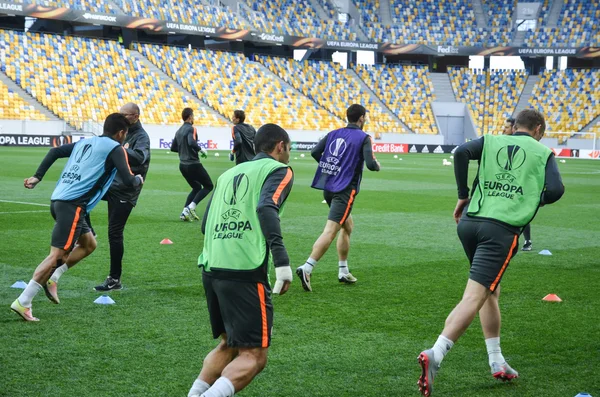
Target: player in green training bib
517	174
241	233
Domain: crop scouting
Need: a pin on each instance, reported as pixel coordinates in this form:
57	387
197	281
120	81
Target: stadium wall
220	138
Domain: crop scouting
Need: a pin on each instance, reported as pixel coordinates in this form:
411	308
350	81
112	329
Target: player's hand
203	153
231	157
460	206
30	182
141	178
284	278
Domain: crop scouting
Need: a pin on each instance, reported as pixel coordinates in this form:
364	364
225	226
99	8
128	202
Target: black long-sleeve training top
243	142
137	146
186	144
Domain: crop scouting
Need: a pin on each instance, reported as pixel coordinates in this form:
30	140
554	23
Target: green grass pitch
360	340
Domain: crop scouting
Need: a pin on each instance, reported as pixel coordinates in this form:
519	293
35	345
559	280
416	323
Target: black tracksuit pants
198	179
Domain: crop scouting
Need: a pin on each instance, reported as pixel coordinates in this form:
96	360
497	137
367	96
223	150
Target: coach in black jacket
243	138
121	199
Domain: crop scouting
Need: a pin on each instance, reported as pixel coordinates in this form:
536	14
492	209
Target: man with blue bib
341	155
91	168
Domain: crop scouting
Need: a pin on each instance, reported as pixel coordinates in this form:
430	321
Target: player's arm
205	217
192	138
237	142
118	160
554	188
192	141
318	150
237	139
464	153
140	152
174	147
370	160
53	155
274	192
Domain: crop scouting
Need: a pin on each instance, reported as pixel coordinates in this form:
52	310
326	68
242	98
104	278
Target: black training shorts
489	247
340	204
70	224
240	309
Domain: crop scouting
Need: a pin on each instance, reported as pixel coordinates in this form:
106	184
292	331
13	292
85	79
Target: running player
186	144
243	139
516	176
241	227
86	177
340	155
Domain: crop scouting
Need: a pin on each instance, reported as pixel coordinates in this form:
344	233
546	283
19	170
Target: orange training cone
551	298
166	241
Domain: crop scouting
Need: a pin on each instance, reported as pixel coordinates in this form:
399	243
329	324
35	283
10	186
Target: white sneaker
347	278
185	215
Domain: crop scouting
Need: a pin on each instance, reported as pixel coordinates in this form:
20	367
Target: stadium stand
499	14
445	22
369	10
183	11
595	129
577	27
13	107
406	91
82	79
569	98
296	18
491	96
329	8
228	81
322	81
544	13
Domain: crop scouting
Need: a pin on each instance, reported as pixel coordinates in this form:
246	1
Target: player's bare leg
228	370
22	305
319	249
490	317
491	321
463	314
458	321
324	241
86	244
216	361
343	248
249	363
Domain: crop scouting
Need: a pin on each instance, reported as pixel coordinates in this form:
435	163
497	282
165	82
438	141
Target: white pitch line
23	202
22	212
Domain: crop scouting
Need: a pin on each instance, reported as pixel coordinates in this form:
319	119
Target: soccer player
122	198
516	176
86	177
243	139
509	126
241	227
186	144
340	155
